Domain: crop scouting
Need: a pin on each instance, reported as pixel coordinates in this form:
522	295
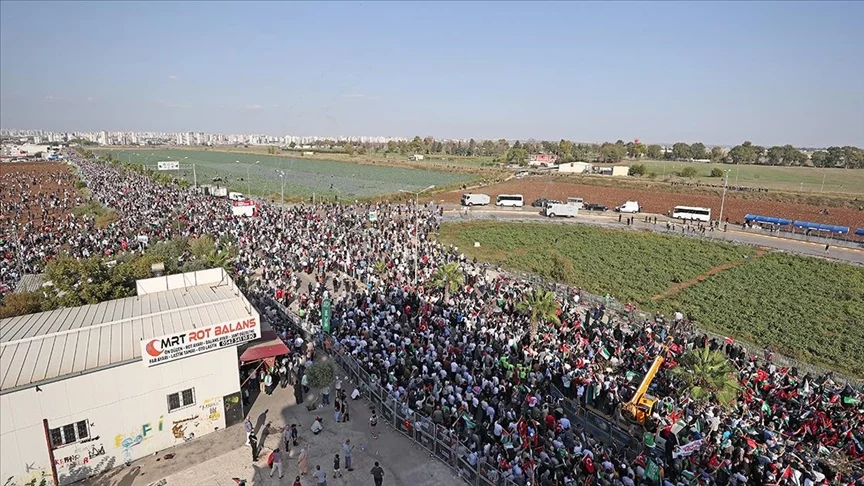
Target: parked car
629	207
596	207
540	203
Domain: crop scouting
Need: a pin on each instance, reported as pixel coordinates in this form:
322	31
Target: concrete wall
127	409
620	170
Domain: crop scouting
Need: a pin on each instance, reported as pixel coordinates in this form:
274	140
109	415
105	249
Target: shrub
688	172
637	170
716	172
320	374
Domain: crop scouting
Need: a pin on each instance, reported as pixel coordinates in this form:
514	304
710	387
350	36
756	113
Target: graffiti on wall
204	421
79	457
127	442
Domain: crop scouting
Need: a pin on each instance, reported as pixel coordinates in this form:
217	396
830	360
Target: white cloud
173	77
91	99
48	98
254	107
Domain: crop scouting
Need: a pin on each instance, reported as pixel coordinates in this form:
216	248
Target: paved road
848	254
212	460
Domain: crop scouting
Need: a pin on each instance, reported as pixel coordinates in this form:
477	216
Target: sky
719	73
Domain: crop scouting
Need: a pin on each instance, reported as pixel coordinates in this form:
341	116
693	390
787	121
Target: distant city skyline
774	73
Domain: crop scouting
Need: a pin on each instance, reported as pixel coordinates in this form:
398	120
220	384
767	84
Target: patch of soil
657	201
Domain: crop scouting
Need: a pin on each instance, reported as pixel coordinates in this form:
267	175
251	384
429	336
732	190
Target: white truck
236	196
559	209
629	207
576	201
475	200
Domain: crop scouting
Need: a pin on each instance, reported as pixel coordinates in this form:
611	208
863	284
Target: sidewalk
216	458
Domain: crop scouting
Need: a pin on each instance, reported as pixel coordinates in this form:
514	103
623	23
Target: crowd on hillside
466	361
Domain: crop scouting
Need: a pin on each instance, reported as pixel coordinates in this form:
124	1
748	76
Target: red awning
268	349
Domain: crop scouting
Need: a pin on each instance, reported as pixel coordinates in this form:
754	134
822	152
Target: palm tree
540	305
708	374
448	276
380	269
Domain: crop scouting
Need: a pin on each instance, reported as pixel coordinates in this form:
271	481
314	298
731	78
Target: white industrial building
87	389
574	167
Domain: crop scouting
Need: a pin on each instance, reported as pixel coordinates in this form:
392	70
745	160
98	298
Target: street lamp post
282	176
416	224
723	199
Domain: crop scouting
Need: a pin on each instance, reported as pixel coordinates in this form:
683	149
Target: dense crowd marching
465	360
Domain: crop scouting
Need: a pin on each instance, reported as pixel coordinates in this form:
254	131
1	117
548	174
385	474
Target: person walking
373	424
303	462
377	474
277	463
286	437
337	473
268	383
249	428
253	441
325	395
337	409
320	476
346	449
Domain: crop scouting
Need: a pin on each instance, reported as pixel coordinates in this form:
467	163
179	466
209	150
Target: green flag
652	472
605	353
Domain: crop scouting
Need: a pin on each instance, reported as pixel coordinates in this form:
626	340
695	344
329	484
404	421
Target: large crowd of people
465	359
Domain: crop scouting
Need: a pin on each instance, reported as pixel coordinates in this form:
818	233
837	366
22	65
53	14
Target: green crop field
303	177
633	267
807	308
807	179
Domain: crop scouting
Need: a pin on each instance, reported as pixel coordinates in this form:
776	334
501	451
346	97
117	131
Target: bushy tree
539	305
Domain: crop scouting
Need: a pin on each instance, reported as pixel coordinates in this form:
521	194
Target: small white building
87	389
415	157
574	167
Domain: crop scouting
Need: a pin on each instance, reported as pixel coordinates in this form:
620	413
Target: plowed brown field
659	202
40	181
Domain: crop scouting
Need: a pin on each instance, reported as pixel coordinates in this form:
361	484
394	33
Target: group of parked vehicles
571	207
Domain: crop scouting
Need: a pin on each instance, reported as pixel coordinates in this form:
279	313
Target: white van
629	207
557	209
236	196
511	200
576	201
474	200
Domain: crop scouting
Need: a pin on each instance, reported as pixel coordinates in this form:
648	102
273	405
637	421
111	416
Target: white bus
512	200
692	213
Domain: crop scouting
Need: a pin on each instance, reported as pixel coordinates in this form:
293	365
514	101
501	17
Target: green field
807	308
807	179
303	177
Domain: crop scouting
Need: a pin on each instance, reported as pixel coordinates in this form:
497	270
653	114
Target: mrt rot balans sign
176	346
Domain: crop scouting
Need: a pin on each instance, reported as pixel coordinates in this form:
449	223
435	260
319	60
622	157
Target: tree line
567	151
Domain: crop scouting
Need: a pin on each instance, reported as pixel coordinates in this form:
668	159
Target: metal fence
440	442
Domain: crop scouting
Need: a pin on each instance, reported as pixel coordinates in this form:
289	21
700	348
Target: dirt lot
660	202
40	183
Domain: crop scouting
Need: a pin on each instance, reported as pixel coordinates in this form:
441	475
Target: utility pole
823	180
194	177
416	225
723	200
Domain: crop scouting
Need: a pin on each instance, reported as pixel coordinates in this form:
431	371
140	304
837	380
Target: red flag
729	340
787	473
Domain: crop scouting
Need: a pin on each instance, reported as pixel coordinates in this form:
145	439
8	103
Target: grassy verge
807	308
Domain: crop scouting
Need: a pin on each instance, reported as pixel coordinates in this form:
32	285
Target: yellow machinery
639	407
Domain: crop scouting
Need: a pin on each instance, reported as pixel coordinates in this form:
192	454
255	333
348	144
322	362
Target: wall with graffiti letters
126	413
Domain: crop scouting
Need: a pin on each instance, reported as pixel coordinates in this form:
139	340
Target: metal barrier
438	441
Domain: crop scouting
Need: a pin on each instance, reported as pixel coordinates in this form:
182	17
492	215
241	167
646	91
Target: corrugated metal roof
30	282
39	347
